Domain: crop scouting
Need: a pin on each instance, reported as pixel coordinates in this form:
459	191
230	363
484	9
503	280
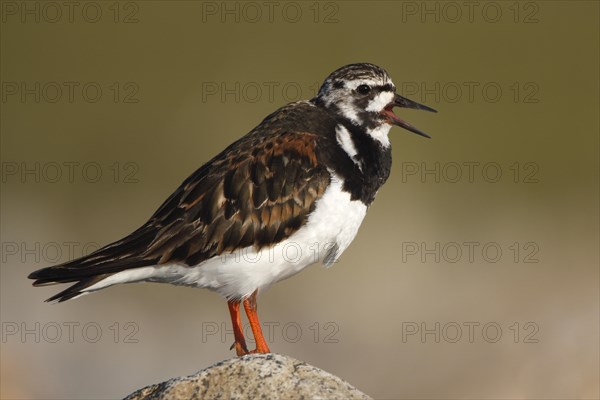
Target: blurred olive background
167	73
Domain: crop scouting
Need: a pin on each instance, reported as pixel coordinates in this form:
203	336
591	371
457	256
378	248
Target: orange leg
238	333
251	311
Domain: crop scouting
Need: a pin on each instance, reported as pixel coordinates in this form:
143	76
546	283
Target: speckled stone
255	376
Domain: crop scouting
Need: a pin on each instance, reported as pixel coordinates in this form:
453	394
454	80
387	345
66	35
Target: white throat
380	134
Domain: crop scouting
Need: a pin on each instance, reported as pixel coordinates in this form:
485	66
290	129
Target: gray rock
255	376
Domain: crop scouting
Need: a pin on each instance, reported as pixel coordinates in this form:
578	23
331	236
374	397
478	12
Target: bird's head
365	95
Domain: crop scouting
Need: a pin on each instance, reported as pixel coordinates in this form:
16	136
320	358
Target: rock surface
255	376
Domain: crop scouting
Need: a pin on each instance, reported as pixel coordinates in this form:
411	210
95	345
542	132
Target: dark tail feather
78	270
84	275
76	289
94	267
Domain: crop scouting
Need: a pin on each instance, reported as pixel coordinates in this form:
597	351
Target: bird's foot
240	349
261	349
257	351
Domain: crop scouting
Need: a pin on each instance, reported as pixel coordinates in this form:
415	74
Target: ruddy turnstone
290	193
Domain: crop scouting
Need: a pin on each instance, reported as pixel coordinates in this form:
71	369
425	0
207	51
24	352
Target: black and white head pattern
360	92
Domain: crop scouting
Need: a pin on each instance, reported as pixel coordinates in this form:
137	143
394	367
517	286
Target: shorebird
290	193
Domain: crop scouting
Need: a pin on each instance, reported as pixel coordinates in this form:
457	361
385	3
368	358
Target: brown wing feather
252	198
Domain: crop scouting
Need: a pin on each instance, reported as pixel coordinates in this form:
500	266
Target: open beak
403	102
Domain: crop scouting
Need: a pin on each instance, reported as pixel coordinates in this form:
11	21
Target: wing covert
254	194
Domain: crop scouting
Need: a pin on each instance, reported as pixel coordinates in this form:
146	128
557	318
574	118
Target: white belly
330	228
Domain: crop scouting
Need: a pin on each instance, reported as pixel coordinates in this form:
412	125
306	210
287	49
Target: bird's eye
363	89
